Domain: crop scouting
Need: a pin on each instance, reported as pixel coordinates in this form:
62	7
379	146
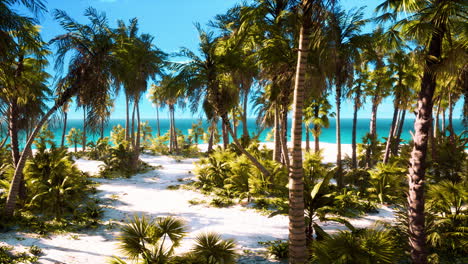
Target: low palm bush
362	246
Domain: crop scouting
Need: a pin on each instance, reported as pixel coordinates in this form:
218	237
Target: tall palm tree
90	47
343	29
401	64
170	91
430	23
207	77
356	93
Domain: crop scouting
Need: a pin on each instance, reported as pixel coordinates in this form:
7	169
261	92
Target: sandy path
147	194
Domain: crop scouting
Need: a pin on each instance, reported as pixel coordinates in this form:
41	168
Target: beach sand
148	194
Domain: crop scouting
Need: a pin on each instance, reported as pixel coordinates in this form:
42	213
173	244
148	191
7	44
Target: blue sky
172	24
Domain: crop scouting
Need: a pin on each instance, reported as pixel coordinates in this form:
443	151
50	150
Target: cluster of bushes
57	194
7	256
148	240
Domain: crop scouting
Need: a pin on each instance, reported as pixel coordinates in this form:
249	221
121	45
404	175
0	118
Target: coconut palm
343	29
90	47
207	76
170	91
74	137
429	23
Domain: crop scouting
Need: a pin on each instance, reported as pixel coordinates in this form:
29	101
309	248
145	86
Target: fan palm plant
209	248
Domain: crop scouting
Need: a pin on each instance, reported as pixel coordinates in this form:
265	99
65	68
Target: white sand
147	193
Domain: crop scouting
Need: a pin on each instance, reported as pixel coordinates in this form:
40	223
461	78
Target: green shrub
221	202
277	248
55	186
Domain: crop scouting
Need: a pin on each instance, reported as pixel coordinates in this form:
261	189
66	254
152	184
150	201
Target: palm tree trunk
102	129
137	144
297	236
307	139
401	122
64	130
284	135
436	125
210	140
157	121
245	130
443	123
176	143
14	144
422	125
16	181
127	117
316	138
171	131
354	142
450	117
84	128
132	132
390	134
339	170
373	121
254	161
277	149
225	135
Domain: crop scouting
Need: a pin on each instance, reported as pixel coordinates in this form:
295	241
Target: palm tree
88	74
356	93
402	65
74	137
429	23
343	31
170	92
207	76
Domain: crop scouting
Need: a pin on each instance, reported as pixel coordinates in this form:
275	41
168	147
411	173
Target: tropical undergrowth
147	240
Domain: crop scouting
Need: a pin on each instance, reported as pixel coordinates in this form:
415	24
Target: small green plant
35	250
221	202
196	201
276	248
173	187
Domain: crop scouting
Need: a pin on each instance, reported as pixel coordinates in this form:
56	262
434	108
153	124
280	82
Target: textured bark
284	137
297	236
450	118
64	130
157	122
373	121
417	169
14	144
390	135
354	143
245	130
401	122
84	129
211	138
15	183
443	123
132	131
127	117
225	135
307	139
316	142
277	149
339	170
101	136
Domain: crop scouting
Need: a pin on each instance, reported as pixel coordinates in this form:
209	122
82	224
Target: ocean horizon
328	134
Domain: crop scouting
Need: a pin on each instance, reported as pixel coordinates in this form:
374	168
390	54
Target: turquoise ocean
328	134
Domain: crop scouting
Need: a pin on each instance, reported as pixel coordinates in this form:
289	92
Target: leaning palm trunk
390	134
398	132
64	130
297	236
277	149
255	162
14	144
15	183
417	169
